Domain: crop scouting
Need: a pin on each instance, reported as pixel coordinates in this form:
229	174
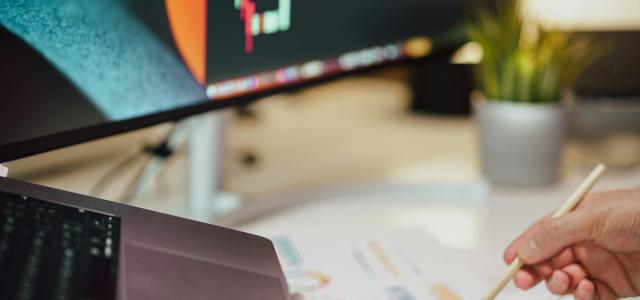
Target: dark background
35	99
320	30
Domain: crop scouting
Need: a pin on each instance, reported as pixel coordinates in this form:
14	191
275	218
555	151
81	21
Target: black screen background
319	30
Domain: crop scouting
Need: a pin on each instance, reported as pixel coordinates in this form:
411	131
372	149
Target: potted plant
523	75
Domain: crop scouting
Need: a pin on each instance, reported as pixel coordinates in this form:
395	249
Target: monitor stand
205	198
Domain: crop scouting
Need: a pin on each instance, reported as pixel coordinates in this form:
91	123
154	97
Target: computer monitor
78	70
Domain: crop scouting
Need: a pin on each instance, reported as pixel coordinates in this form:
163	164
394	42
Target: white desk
473	222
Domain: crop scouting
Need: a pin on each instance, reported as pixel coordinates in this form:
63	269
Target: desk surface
348	131
314	147
473	221
351	130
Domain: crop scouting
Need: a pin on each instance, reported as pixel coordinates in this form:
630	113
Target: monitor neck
206	199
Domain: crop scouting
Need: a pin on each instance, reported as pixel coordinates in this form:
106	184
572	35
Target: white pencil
567	207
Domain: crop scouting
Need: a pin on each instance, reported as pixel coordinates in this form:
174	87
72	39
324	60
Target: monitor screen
76	70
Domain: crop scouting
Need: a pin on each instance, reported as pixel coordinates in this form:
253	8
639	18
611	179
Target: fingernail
554	283
580	290
585	289
529	250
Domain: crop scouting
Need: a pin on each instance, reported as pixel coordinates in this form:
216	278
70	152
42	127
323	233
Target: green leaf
534	69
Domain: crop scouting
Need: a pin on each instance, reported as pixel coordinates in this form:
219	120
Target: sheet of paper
389	243
372	264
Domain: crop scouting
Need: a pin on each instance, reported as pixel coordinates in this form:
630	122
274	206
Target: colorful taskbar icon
412	48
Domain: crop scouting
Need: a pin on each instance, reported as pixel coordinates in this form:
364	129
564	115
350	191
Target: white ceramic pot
520	143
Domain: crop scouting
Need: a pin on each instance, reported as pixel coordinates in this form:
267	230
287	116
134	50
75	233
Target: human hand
592	252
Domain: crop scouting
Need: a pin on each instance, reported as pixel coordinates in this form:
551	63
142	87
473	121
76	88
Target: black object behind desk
440	87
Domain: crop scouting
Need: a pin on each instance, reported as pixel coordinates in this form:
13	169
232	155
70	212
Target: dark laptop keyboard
56	252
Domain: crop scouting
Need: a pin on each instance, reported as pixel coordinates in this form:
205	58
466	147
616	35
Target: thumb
555	235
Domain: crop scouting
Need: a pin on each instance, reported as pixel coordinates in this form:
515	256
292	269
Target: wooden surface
352	130
349	131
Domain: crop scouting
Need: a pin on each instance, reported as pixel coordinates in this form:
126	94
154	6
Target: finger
546	268
604	292
543	269
585	290
577	273
630	264
604	267
559	283
556	234
512	250
563	259
526	279
591	199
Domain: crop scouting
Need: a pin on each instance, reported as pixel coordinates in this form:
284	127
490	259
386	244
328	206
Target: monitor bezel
30	147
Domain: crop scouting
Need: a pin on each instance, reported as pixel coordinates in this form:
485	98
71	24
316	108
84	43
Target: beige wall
586	15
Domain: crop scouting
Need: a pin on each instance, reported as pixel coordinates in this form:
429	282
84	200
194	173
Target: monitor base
222	204
4	171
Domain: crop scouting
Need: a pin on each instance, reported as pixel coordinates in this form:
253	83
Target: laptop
59	245
74	71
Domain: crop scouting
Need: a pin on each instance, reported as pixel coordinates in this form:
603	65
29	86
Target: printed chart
389	266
